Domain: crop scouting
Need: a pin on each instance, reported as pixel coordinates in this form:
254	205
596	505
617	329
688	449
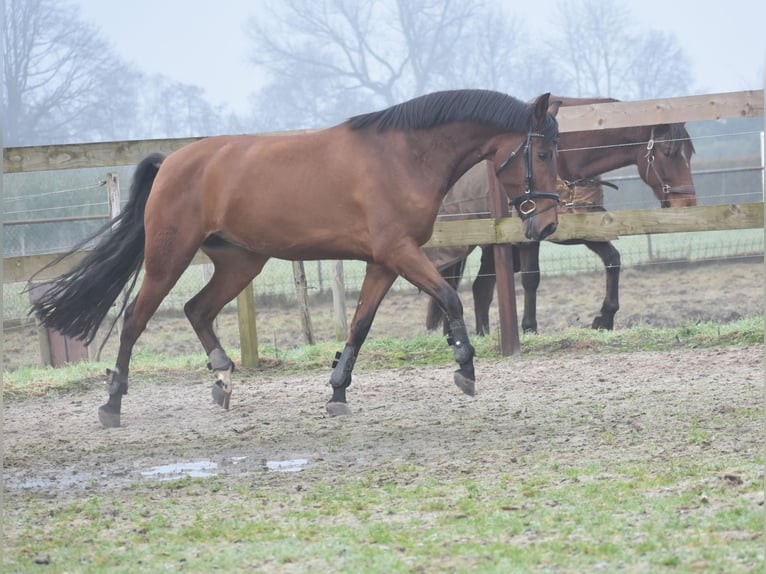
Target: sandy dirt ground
610	406
564	405
620	409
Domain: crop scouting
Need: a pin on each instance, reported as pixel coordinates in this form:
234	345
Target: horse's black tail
76	303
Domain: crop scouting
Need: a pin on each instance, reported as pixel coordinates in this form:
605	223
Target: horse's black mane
438	108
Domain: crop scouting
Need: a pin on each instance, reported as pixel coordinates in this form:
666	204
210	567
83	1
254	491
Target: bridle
525	202
666	189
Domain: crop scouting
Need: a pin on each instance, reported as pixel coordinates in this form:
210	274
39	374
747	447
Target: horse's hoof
109	419
220	396
337	409
602	324
468	386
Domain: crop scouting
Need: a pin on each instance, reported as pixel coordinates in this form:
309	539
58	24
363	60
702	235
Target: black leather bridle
666	189
525	202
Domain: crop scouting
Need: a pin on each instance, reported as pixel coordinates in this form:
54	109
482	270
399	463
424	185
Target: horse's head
527	172
665	165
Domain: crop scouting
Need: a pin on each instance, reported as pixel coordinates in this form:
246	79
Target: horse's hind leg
611	258
377	282
159	278
234	269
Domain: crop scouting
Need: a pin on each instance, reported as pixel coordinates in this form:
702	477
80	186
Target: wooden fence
499	229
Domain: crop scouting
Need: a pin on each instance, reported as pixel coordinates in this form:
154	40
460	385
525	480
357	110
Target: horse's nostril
549	229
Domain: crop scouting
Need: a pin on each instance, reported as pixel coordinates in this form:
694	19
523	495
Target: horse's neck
597	152
456	148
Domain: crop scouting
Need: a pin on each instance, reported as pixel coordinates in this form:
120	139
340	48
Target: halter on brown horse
662	153
367	189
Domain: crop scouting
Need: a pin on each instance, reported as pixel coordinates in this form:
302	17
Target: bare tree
602	54
62	80
64	83
658	68
170	109
329	59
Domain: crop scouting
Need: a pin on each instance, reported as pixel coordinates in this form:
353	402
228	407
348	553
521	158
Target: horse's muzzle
533	231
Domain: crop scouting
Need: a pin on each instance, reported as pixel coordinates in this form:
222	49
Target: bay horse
368	189
662	154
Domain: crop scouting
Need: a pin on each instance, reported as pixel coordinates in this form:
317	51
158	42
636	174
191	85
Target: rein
588	182
525	203
666	189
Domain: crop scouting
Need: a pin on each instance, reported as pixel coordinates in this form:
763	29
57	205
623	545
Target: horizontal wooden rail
21	269
574	118
99	154
597	226
747	104
604	226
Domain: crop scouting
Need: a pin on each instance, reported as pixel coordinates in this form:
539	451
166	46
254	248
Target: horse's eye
543	155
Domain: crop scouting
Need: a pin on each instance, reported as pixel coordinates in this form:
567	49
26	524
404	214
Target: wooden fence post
248	335
339	301
114	201
506	288
301	291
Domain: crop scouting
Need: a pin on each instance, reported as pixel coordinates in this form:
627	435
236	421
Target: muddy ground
567	407
57	442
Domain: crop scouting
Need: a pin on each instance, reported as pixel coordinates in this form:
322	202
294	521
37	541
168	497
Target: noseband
525	203
666	189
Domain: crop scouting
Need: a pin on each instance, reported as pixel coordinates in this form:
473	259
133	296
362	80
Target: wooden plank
664	110
603	225
608	225
20	269
463	232
302	294
339	301
248	335
99	154
73	156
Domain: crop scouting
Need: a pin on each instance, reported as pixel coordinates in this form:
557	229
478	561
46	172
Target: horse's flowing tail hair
77	301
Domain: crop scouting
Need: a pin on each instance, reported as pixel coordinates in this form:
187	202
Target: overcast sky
203	42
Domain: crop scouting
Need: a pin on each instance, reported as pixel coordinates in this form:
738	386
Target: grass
387	352
641	513
576	519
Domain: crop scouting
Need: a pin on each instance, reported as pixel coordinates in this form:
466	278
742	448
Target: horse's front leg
611	258
377	282
529	262
413	265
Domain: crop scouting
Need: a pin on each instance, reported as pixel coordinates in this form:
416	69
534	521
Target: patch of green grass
613	517
389	352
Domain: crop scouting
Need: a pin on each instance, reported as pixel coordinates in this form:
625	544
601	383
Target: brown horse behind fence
662	154
369	189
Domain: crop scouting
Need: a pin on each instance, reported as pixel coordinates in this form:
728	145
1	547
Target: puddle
200	469
174	471
295	465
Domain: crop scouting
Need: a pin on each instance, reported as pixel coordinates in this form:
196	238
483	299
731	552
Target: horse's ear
553	107
541	108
